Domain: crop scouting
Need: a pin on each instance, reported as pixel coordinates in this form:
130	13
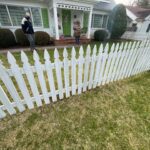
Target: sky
125	2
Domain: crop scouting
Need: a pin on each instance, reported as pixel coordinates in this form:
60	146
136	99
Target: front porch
65	13
70	41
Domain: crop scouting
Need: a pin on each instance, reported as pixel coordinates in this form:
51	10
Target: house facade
56	17
138	23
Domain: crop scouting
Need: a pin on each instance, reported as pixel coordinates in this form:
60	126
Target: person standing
77	31
28	30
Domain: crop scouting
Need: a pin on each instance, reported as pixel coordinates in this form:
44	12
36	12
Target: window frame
19	5
102	14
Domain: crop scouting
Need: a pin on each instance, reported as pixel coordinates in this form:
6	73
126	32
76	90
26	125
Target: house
56	17
138	23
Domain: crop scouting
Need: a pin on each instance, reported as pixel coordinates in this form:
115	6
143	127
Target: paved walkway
13	50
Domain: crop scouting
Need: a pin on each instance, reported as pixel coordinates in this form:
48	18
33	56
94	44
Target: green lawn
112	117
51	52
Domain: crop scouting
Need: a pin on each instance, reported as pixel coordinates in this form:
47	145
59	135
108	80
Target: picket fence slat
45	80
86	68
10	87
80	70
49	70
5	101
58	74
93	61
41	78
73	71
98	65
30	77
104	62
66	72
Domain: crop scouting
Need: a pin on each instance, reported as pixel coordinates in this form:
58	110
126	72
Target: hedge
42	38
7	38
21	38
100	35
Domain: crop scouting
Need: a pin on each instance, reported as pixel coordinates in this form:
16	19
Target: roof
139	12
105	6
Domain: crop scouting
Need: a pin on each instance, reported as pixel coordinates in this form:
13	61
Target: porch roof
82	1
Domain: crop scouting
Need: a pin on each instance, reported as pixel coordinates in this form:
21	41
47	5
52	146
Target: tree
143	3
117	22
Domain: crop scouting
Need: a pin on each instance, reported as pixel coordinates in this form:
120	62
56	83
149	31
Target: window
99	21
36	17
105	19
17	13
4	18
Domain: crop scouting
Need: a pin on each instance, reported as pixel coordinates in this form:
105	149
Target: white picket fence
49	82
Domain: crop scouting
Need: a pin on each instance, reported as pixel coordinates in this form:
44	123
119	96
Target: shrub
117	22
21	38
7	38
100	35
42	38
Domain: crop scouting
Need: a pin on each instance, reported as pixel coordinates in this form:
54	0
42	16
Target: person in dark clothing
28	30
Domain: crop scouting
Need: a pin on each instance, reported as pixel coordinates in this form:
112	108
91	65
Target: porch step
70	40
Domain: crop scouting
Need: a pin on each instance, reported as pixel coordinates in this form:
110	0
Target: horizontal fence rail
43	83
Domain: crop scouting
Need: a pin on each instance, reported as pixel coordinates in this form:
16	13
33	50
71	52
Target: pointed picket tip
121	46
24	57
11	58
147	43
73	53
138	44
129	45
88	47
46	55
94	50
134	44
117	46
1	63
65	53
56	54
125	46
88	52
112	48
101	48
106	49
35	56
81	51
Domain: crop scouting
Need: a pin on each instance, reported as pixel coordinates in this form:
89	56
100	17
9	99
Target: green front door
66	22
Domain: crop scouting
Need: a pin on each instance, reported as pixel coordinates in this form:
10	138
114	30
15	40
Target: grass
115	116
51	52
112	117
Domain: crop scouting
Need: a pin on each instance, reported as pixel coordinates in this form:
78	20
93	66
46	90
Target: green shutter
45	17
85	21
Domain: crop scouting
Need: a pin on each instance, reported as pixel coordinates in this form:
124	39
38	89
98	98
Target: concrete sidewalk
13	50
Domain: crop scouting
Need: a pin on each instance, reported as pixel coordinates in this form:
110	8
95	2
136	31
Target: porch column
89	24
56	22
